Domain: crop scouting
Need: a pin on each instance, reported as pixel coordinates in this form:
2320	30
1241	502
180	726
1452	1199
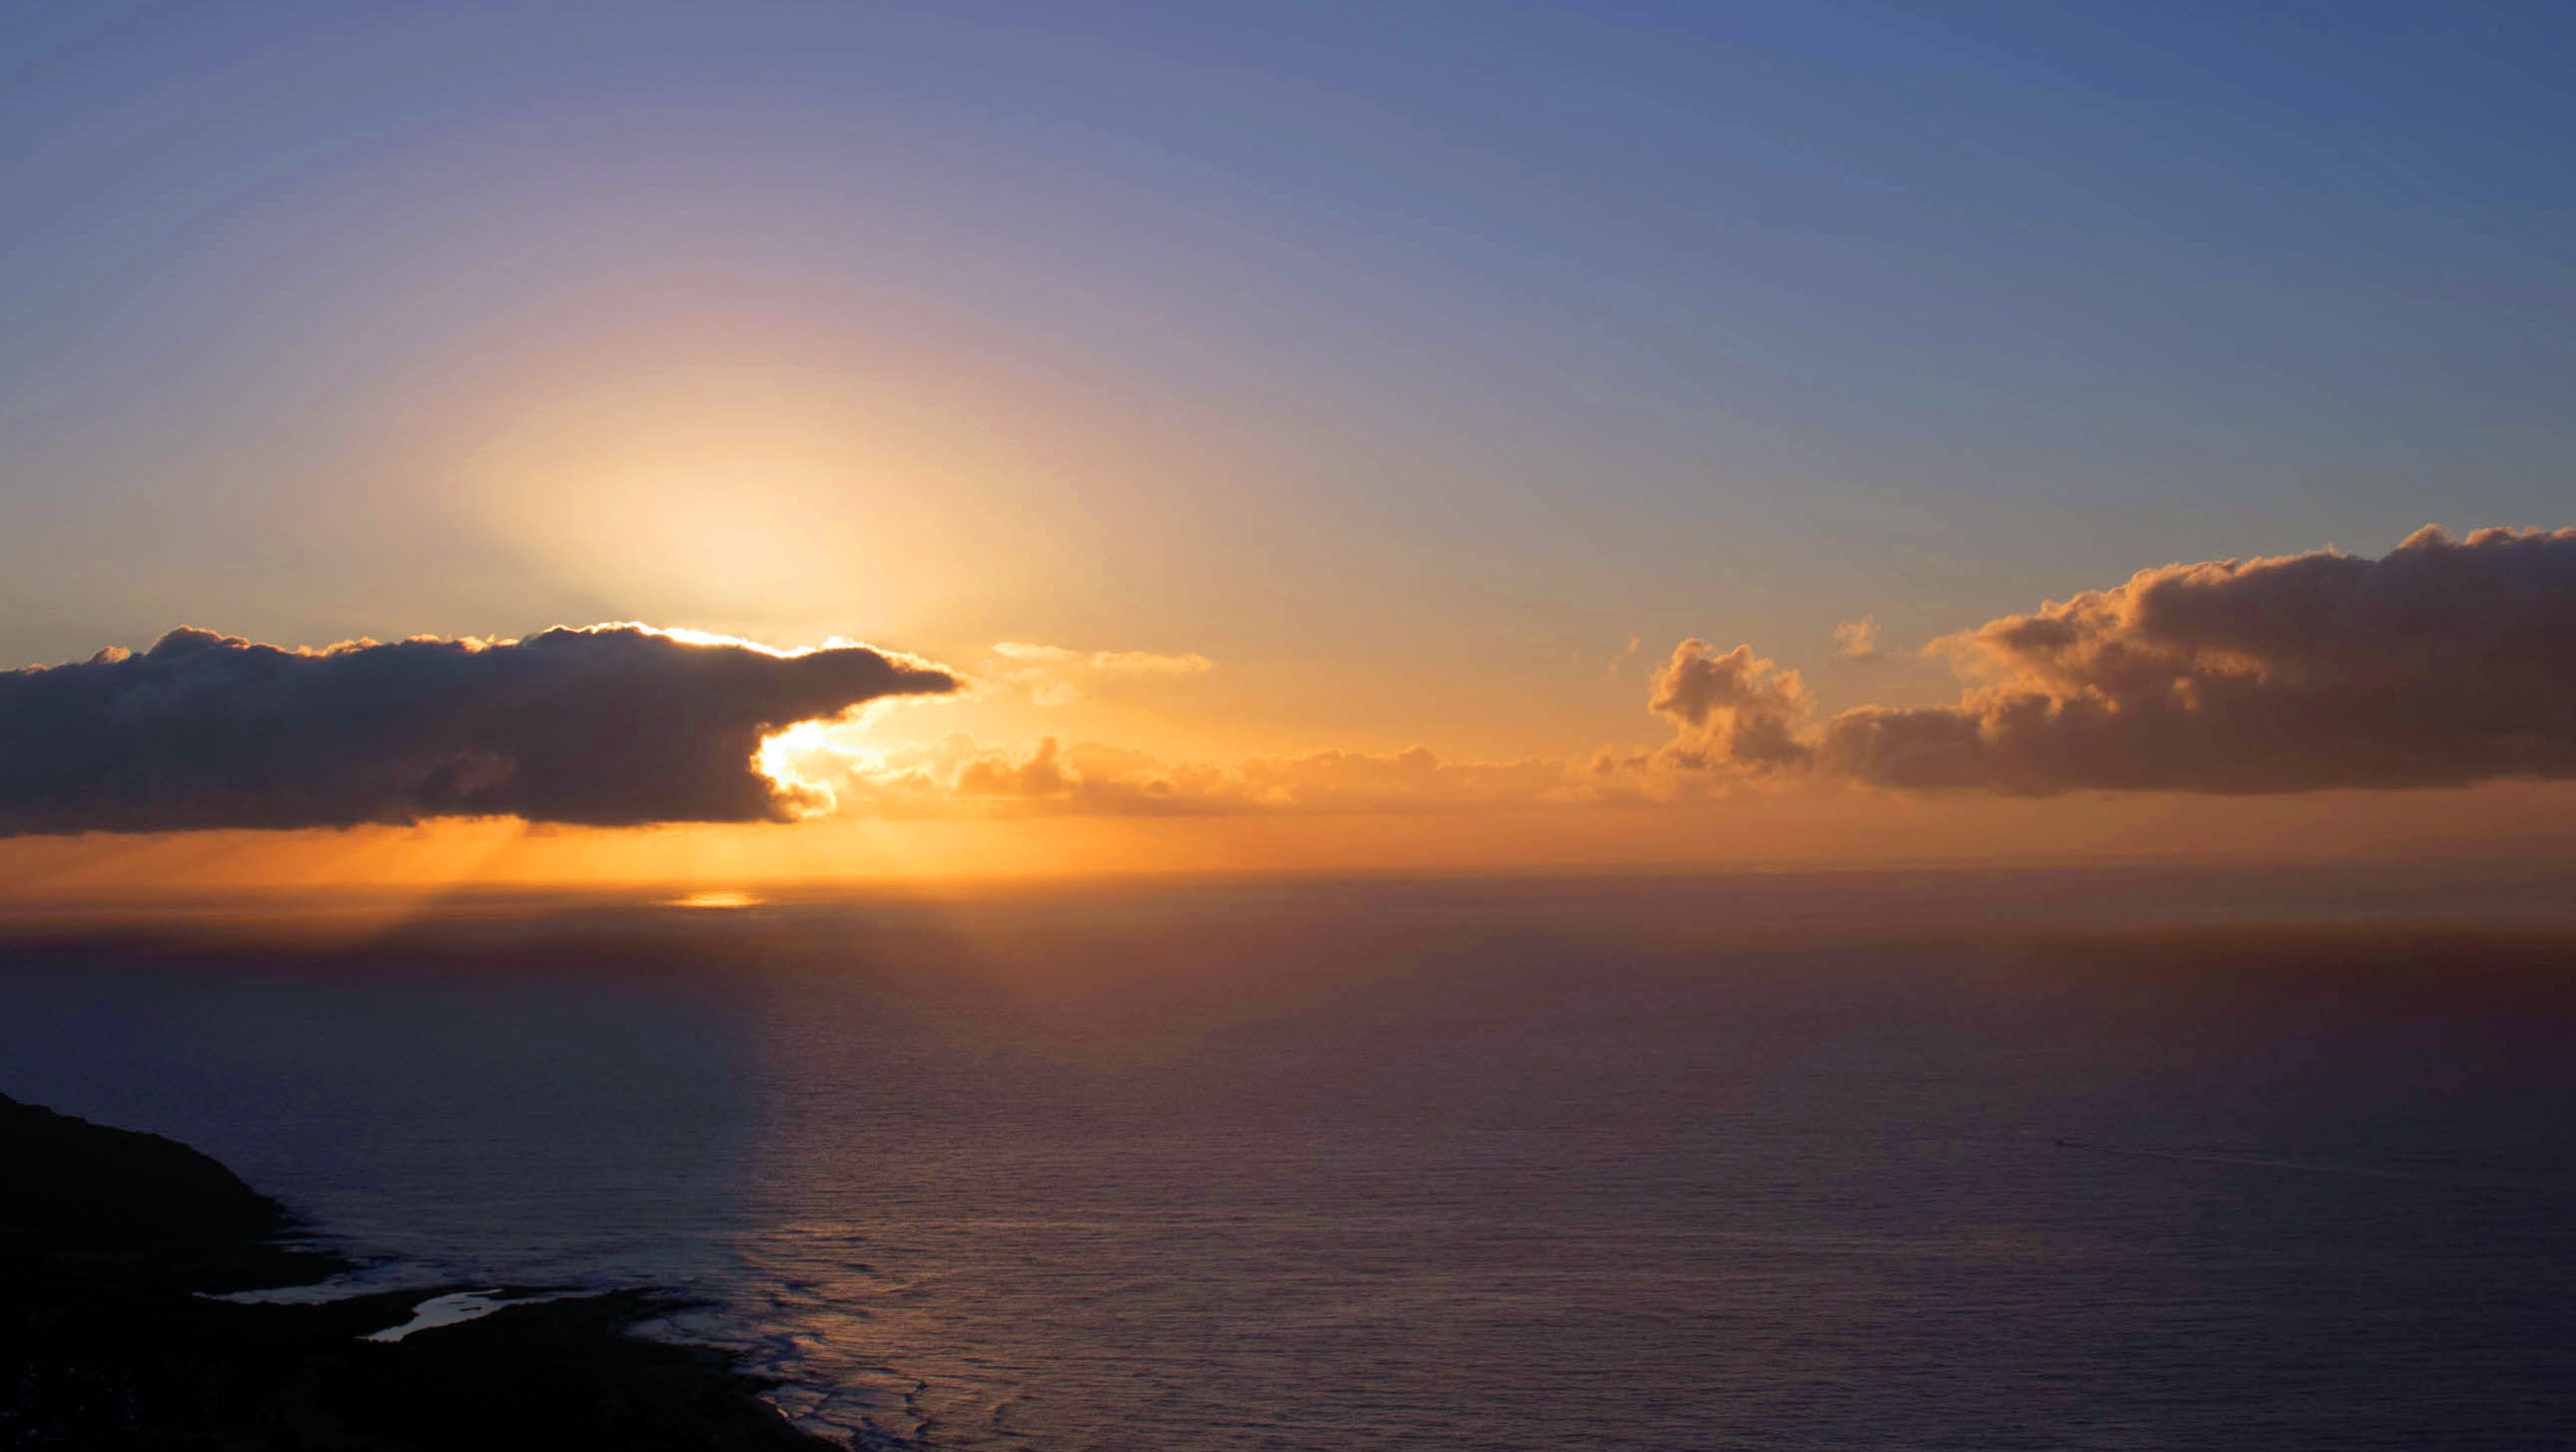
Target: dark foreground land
107	1237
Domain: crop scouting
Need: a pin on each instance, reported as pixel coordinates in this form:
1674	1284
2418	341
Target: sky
1229	400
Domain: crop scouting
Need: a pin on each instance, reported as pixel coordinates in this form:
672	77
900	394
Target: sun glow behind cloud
823	347
779	759
716	900
760	476
580	726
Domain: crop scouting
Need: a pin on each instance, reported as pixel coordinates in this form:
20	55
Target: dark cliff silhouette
107	1237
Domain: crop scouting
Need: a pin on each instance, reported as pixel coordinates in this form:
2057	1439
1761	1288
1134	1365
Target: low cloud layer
609	726
956	775
1051	675
2443	663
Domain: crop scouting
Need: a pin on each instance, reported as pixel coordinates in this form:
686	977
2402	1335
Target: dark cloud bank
613	725
2445	662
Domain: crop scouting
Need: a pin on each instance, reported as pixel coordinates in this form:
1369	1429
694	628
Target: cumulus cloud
1857	639
1054	676
2445	662
612	725
1735	709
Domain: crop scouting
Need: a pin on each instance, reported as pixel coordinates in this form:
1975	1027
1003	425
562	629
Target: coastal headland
115	1244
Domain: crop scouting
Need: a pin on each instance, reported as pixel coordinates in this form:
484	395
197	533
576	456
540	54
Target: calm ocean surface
1916	1163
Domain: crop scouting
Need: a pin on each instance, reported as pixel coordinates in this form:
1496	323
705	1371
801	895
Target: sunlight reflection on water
1235	1172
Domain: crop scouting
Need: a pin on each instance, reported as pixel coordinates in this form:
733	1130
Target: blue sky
1405	359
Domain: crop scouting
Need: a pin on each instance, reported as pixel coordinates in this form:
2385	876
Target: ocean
2121	1159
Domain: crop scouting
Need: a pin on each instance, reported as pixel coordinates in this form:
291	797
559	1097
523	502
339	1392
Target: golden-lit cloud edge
2442	663
2445	663
609	725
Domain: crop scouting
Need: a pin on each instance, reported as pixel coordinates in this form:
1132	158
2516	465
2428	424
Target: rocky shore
112	1241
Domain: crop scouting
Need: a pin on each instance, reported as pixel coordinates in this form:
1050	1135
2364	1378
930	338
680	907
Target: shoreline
121	1254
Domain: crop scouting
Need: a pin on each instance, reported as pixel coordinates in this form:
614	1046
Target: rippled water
1529	1165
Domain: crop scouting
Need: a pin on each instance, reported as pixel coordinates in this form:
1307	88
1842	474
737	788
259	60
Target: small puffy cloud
612	725
1735	709
1857	639
1055	676
2443	663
